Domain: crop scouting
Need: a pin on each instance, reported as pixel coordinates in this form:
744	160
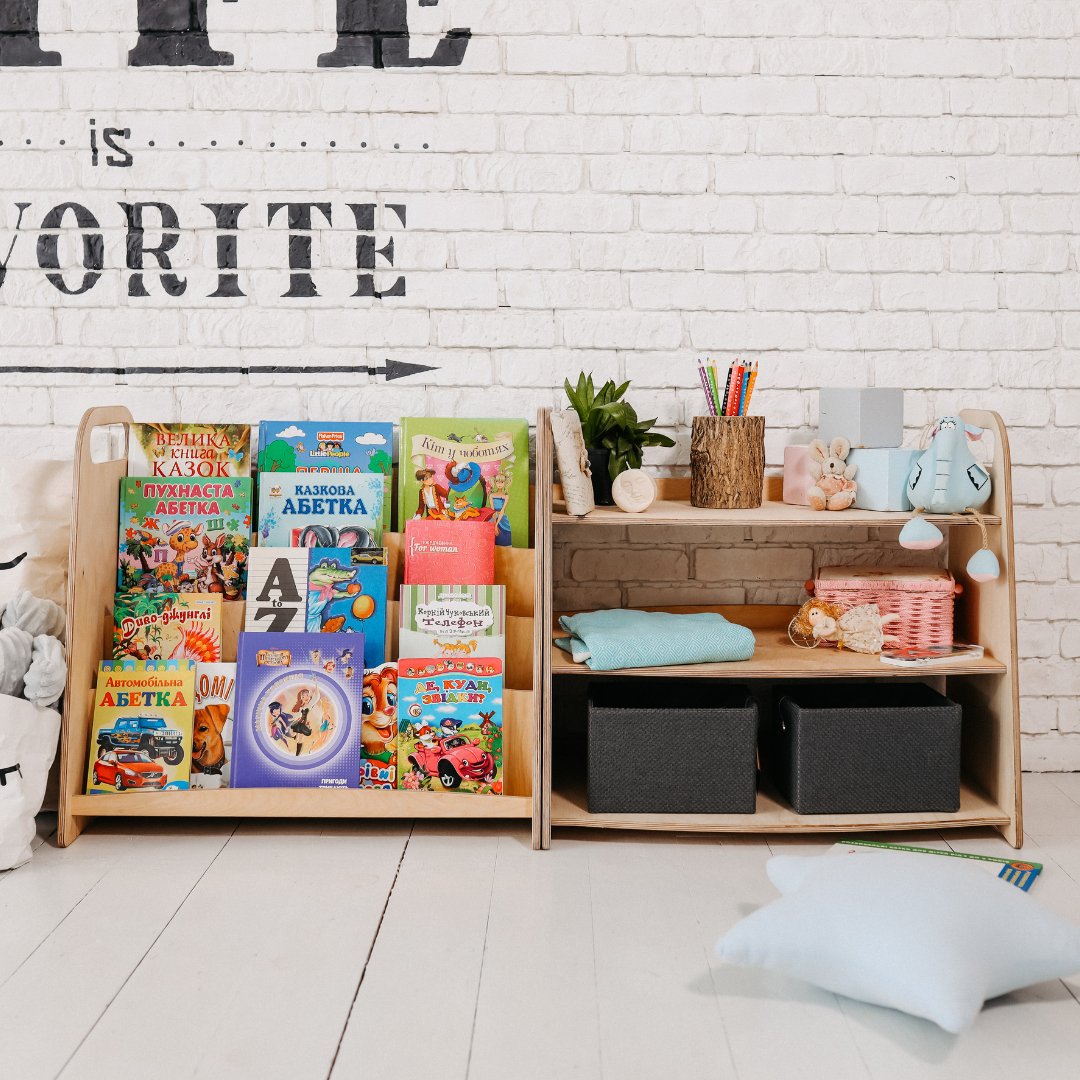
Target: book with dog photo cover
277	591
452	620
378	732
313	510
346	594
181	536
298	710
167	626
140	738
317	446
467	471
189	451
450	731
212	732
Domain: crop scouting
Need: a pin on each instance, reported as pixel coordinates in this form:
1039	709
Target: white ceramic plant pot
28	738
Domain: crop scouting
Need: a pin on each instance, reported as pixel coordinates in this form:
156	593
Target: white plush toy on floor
32	663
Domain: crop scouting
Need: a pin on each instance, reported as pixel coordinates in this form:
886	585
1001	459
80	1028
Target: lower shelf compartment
302	803
569	808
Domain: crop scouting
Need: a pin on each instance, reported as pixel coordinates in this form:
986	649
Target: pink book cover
442	553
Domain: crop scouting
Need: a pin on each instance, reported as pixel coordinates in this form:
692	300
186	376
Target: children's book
184	535
212	732
1018	872
924	655
452	620
439	551
167	626
189	451
277	590
298	711
378	732
316	446
465	471
450	733
347	595
140	739
309	510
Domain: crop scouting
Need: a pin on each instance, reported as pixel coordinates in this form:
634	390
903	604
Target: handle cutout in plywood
108	442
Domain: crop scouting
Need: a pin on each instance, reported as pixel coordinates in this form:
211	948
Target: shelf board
302	803
775	657
672	507
568	807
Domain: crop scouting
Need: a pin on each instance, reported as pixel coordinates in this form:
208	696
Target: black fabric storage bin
672	748
843	748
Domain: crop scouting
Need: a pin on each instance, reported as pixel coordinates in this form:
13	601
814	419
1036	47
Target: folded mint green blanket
620	638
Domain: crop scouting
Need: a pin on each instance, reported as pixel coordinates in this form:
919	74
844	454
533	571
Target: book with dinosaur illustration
212	730
317	446
277	590
452	620
182	536
438	551
346	594
466	470
299	711
378	732
313	510
167	626
189	451
450	724
140	737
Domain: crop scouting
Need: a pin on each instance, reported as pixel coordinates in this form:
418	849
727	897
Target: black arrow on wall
394	369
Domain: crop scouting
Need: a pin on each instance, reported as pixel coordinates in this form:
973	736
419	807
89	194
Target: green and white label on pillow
1018	872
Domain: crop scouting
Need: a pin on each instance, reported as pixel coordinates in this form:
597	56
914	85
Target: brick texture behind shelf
855	191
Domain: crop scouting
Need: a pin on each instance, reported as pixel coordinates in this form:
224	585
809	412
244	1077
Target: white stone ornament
573	459
634	491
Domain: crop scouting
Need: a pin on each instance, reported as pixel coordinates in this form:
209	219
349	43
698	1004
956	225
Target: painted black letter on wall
375	33
19	46
173	32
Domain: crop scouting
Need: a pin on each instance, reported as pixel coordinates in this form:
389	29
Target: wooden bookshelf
987	688
91	585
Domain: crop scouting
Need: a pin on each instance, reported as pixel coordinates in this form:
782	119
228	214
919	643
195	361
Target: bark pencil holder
727	462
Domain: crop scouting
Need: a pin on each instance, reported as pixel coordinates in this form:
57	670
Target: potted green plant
614	436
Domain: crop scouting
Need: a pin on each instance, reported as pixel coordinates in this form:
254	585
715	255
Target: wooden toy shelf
987	688
91	585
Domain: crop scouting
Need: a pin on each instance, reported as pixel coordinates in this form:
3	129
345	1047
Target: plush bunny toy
32	663
834	485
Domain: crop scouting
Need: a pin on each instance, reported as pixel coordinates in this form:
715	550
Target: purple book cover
299	710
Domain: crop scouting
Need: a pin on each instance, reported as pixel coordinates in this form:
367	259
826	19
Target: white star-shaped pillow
933	937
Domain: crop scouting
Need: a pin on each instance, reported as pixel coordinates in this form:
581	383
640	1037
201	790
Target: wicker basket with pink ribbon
923	597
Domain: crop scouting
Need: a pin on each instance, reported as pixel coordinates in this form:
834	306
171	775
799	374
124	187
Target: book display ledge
91	585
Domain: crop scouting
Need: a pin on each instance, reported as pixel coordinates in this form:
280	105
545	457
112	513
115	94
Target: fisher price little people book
450	731
465	470
140	739
298	710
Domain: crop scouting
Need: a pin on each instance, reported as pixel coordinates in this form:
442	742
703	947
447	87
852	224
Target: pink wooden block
797	479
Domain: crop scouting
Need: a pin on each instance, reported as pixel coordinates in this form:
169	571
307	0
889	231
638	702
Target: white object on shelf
634	491
865	416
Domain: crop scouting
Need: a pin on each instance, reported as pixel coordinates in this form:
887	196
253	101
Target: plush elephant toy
32	663
948	480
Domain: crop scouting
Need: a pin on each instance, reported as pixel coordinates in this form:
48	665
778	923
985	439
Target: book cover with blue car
312	510
298	711
316	446
346	594
140	739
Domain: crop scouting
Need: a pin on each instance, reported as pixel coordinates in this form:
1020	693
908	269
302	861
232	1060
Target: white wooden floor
265	950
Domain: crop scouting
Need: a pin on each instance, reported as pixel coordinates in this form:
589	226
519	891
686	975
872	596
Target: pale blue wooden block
882	477
865	416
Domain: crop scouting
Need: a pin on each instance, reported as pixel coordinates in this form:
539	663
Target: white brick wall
857	192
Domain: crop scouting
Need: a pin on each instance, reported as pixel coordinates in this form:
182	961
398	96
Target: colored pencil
722	402
709	401
710	378
750	388
736	389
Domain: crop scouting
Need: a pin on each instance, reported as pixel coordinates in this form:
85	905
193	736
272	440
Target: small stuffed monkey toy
834	484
